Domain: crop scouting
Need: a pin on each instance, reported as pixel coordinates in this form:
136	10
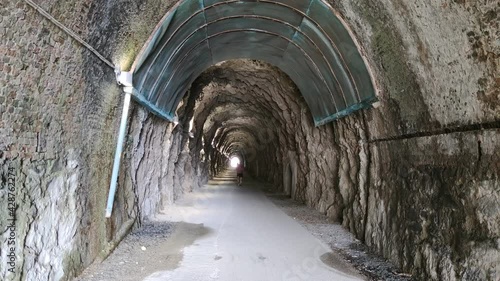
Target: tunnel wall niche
287	179
290	175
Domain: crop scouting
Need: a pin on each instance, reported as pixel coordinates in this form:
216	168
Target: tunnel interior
244	108
287	86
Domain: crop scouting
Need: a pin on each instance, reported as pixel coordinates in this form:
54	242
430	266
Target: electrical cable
69	32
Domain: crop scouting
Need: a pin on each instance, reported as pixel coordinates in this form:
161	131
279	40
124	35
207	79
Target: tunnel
374	120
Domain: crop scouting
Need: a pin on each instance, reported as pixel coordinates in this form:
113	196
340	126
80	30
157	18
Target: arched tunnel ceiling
244	106
302	37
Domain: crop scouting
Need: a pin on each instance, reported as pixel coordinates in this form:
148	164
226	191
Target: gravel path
340	240
133	259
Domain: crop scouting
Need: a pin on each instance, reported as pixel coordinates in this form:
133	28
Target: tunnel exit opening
234	161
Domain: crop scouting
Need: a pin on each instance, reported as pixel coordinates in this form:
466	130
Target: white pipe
118	155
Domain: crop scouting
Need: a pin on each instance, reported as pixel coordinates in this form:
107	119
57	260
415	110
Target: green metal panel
304	38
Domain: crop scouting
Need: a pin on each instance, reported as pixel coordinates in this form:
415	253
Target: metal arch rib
258	31
334	45
305	15
179	47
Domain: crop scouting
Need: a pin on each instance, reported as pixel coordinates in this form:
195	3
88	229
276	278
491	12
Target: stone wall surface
442	220
416	178
437	66
59	118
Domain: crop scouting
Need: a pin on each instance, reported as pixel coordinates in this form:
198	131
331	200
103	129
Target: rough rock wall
159	163
430	147
59	118
434	205
235	114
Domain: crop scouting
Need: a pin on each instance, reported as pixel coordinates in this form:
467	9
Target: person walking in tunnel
239	173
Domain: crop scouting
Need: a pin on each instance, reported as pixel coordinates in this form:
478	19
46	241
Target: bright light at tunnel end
235	161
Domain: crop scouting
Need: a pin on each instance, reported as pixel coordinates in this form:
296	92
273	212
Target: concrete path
232	233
